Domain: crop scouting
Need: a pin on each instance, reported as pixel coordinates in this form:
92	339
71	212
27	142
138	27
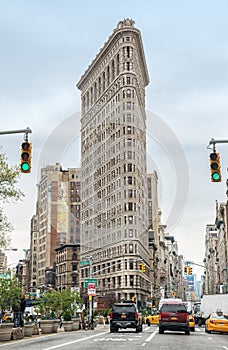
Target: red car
174	317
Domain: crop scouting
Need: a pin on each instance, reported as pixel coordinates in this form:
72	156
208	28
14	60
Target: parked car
216	323
174	317
125	315
152	319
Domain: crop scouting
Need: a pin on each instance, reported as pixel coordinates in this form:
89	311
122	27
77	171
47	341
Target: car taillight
187	318
136	315
111	314
212	321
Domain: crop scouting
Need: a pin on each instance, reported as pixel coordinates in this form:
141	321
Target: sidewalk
99	327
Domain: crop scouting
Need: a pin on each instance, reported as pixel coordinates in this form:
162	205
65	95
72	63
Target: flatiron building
114	231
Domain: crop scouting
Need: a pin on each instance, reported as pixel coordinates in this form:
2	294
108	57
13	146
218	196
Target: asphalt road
102	339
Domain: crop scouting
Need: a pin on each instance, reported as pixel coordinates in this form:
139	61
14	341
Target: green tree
10	293
9	176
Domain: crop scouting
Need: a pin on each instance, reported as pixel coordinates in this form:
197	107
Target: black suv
174	317
125	315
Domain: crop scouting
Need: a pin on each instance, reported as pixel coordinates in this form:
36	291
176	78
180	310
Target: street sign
92	289
90	280
84	262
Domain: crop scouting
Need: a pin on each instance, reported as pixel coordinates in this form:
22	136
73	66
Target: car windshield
123	308
173	308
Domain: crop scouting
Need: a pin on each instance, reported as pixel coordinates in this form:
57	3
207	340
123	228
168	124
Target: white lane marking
143	344
110	339
224	347
151	336
75	341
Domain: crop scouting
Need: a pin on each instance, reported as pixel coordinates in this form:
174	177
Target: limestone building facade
114	167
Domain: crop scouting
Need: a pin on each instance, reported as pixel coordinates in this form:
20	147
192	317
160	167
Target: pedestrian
22	310
60	321
16	315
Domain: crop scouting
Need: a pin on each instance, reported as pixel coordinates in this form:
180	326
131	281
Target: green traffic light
25	166
216	176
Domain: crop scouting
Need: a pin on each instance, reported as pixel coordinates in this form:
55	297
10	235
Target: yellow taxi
8	316
191	322
152	319
216	322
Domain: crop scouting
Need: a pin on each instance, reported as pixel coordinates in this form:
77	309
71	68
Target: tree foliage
10	293
9	176
53	303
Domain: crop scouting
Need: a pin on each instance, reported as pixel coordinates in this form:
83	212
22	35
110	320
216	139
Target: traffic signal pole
215	167
213	142
26	149
20	131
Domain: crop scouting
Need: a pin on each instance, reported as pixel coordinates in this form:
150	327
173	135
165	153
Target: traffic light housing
190	270
140	267
26	157
215	167
143	268
185	270
133	299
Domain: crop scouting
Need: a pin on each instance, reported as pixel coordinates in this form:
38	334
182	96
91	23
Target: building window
129	130
129	142
130	248
129	105
113	70
129	154
130	193
130	206
129	167
74	267
131	265
130	221
129	119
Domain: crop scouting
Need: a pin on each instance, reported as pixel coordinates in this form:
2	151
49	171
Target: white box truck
212	303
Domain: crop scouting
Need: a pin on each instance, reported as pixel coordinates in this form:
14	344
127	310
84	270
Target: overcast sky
46	46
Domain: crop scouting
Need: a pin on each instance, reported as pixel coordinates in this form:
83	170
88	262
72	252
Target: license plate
221	324
123	316
173	318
